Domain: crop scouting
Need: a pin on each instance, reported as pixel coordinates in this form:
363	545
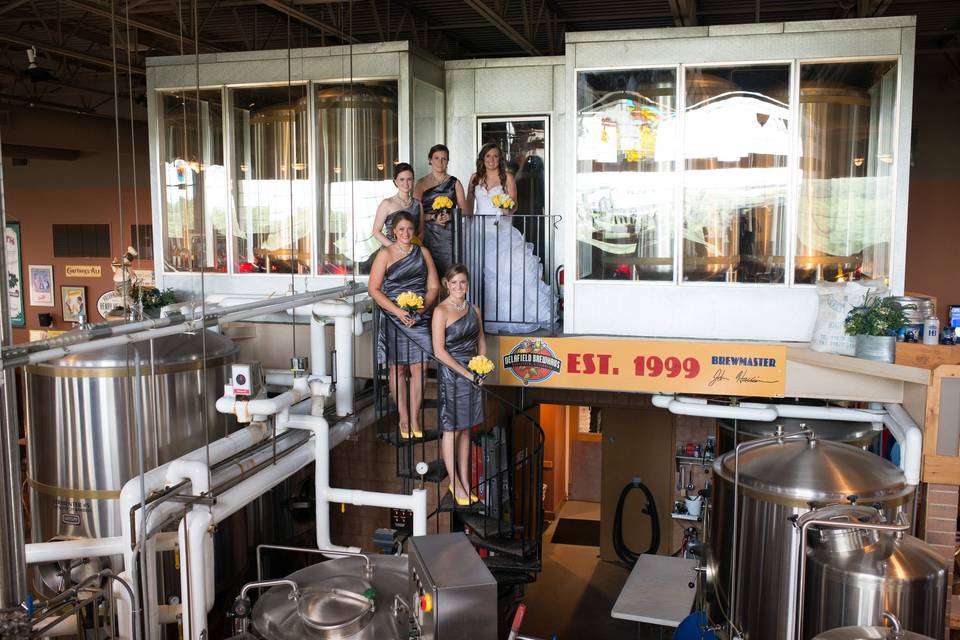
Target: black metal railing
504	463
513	264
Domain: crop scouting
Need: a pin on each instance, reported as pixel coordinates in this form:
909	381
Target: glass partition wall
272	163
698	173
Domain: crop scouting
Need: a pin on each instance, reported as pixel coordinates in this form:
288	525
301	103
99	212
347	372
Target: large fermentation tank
778	480
859	434
854	575
82	425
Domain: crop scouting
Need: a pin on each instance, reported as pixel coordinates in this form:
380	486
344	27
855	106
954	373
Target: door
524	141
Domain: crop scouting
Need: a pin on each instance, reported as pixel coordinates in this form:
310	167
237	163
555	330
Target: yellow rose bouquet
441	210
442	203
481	366
503	201
409	301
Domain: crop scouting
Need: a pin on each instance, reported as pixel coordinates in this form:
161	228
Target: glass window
428	123
357	146
626	173
192	155
845	212
736	145
272	231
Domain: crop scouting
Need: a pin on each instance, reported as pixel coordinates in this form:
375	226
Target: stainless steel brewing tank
779	480
854	575
81	428
869	633
859	434
331	603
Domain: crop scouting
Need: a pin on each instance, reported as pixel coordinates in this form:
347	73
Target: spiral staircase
505	466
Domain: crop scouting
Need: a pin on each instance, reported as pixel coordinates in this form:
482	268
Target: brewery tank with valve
82	425
753	543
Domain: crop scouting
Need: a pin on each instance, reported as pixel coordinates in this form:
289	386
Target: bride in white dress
515	299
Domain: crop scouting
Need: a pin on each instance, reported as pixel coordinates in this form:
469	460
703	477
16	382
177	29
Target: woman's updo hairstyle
399	168
401	215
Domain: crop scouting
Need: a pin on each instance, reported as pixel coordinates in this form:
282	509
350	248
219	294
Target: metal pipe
812	518
13	565
113	335
368	568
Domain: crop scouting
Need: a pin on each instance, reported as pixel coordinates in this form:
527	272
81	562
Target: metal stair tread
506	564
504	546
447	504
484	526
394	438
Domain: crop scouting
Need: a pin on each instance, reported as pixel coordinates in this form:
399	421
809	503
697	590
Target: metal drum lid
337	607
869	633
799	471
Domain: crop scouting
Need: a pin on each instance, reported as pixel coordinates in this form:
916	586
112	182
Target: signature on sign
742	377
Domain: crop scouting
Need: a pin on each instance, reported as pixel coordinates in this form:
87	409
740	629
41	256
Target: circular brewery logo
532	361
108	302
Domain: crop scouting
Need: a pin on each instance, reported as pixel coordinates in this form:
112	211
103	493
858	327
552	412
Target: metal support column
13	583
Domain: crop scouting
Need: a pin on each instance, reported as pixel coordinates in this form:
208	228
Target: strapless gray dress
413	209
438	238
461	403
396	343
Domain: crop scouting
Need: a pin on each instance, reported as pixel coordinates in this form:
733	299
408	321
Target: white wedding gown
515	299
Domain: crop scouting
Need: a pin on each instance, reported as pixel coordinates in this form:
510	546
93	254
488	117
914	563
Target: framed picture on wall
41	285
74	301
11	241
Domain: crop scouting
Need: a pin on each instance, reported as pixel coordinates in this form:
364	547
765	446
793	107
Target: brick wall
939	523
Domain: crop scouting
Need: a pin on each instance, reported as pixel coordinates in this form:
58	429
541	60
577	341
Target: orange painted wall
83	191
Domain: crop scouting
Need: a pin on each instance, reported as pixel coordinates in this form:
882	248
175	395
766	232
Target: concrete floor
576	590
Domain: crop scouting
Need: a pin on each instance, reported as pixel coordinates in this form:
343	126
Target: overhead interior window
192	164
81	240
273	231
715	188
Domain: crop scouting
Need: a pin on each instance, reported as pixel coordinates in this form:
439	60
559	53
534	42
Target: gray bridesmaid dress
438	238
461	403
396	343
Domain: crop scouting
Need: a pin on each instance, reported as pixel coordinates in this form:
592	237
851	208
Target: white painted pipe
415	502
343	341
318	345
827	413
272	406
125	620
911	444
39	552
196	573
763	412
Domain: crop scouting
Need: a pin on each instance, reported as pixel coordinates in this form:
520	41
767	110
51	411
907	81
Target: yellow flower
502	201
443	202
480	365
410	301
632	155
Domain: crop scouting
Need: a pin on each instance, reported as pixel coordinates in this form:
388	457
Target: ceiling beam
497	21
300	16
137	24
684	12
70	53
12	5
17	75
872	8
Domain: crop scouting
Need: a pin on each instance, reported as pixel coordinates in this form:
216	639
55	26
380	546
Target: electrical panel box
453	594
247	379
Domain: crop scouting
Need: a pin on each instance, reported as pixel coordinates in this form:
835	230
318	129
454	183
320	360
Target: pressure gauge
422	468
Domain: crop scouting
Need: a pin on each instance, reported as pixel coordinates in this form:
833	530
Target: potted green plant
875	324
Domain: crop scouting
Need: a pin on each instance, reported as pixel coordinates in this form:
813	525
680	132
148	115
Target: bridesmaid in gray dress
438	227
404	341
403	200
458	337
